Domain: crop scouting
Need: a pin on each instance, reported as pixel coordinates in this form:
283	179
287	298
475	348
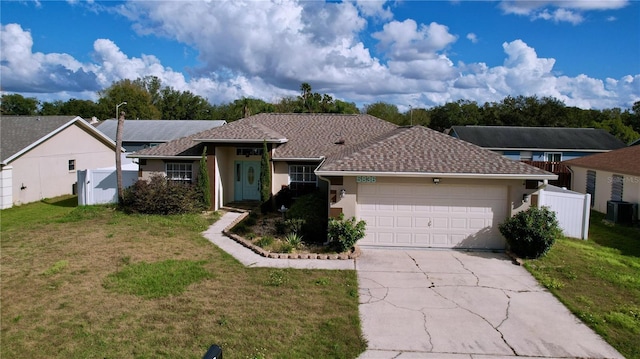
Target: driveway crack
468	270
506	317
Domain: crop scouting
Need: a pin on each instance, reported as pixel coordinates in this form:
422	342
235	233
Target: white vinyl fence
572	209
99	186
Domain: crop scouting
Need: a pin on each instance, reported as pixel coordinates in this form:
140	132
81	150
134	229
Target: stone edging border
243	241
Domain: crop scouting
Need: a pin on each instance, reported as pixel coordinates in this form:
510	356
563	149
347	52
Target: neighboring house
414	187
140	134
543	147
40	156
611	176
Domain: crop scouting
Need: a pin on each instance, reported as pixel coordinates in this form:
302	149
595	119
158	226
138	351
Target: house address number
366	179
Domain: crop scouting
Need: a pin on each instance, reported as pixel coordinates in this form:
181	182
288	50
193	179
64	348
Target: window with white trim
72	165
302	179
553	156
179	171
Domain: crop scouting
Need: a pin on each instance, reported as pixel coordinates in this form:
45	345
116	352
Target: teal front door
247	181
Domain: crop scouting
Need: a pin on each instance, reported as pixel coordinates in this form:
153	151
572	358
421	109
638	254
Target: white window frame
303	173
179	171
72	165
547	154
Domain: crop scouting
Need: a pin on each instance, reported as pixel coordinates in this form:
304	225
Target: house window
616	187
177	171
302	180
249	151
591	185
553	156
526	156
72	165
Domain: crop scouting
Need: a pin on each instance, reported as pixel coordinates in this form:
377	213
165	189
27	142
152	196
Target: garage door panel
432	216
385	222
440	223
404	222
458	223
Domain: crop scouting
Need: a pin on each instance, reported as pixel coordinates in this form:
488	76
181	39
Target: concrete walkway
447	304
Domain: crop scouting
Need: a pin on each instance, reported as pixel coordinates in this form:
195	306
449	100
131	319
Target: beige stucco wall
43	172
515	191
630	187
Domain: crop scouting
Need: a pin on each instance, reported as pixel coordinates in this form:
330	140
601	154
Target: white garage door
438	216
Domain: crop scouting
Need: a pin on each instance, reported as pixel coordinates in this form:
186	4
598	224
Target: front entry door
247	179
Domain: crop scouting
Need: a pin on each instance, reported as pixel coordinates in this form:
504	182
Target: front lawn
599	281
92	282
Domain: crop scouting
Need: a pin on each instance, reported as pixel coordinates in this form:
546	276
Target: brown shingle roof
353	143
306	135
418	149
624	161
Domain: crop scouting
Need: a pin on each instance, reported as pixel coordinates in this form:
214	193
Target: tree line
148	98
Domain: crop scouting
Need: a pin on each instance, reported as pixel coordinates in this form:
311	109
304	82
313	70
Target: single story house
139	134
40	156
546	144
542	147
612	176
414	187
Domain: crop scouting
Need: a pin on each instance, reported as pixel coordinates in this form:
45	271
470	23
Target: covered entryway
428	215
247	179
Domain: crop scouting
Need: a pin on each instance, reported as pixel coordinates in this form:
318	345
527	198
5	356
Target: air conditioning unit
622	212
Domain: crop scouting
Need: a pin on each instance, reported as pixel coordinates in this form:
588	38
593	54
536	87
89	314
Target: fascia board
440	175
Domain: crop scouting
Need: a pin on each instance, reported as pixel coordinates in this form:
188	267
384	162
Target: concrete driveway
454	304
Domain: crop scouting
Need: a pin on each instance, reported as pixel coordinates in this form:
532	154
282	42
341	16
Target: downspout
328	186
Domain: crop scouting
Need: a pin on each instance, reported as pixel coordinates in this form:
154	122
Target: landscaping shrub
160	196
294	225
293	239
284	198
531	233
312	208
265	241
280	226
345	233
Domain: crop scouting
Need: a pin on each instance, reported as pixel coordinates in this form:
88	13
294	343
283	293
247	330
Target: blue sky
409	53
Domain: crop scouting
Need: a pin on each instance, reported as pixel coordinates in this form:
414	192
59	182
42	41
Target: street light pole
118	106
119	130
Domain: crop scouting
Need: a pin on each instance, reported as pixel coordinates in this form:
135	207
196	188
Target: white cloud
407	41
264	50
565	10
472	37
559	15
374	8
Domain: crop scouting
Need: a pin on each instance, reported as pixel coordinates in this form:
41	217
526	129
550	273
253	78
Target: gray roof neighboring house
19	134
355	144
538	138
156	131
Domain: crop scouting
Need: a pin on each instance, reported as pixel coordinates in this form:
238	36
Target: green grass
599	281
92	282
155	280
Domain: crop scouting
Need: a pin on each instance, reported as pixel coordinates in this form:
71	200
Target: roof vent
339	142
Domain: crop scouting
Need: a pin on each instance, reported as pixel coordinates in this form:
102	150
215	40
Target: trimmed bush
160	196
312	208
345	233
531	233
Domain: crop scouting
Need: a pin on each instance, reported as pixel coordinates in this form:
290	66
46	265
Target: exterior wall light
343	192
